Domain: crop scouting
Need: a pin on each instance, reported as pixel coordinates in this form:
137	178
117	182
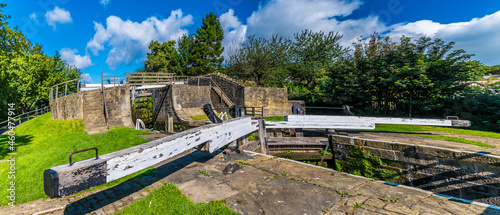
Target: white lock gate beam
68	179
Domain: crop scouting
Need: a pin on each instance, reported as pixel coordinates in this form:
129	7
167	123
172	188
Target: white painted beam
376	120
308	124
65	180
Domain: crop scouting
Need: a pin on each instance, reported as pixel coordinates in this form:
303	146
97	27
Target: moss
360	162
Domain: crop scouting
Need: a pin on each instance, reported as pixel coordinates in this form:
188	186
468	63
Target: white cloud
234	32
478	36
57	15
104	2
86	78
129	40
286	17
72	58
33	16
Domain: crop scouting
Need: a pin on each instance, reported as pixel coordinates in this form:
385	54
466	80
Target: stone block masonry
87	105
462	174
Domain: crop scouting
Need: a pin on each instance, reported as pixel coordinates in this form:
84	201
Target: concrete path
265	185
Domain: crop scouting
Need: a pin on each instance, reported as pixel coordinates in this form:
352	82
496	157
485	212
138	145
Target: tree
261	60
185	47
313	56
163	57
207	49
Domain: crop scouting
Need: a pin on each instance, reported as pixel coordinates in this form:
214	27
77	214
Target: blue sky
112	35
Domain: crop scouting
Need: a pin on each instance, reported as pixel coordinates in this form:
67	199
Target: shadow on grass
122	191
21	140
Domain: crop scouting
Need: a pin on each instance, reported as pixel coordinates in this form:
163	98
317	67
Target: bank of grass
409	129
199	117
454	139
271	118
42	143
416	128
170	200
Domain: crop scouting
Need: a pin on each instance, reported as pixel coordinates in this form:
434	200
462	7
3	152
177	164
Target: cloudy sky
112	36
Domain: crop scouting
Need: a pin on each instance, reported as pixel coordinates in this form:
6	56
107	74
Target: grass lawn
170	200
199	117
271	118
421	128
42	143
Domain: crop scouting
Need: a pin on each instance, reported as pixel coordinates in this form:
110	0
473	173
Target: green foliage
42	143
204	172
170	200
342	194
26	72
263	61
186	44
207	48
163	58
179	127
271	118
360	162
143	109
389	201
418	128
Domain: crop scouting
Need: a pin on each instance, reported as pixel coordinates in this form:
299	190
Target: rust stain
140	150
116	166
127	167
199	138
168	154
161	155
229	133
154	157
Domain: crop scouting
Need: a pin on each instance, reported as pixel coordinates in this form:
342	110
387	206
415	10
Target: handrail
51	93
222	92
21	116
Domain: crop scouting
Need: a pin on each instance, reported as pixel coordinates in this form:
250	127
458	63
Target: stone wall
67	107
118	106
466	175
117	103
275	100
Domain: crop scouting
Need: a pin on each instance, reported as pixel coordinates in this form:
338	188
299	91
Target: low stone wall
467	175
67	107
275	100
118	106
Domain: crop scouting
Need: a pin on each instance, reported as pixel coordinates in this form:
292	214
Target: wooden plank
262	136
377	120
320	125
65	180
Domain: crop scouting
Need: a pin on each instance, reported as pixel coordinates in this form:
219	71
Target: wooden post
262	137
331	163
279	133
78	85
57	92
169	124
298	132
253	111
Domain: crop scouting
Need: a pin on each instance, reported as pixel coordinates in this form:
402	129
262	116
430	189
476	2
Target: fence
25	116
57	93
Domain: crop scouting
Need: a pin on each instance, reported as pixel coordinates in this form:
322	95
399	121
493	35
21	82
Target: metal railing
57	93
24	116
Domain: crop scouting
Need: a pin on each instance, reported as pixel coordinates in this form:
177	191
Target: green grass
199	117
42	143
409	129
415	128
170	200
271	118
454	139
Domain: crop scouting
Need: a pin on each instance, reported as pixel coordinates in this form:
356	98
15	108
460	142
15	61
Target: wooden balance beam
376	120
68	179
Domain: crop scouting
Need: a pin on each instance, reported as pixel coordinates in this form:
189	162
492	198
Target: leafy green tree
185	48
313	56
261	60
163	58
207	49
